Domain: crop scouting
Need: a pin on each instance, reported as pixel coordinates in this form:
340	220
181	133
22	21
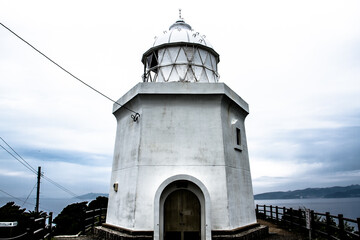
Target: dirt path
277	233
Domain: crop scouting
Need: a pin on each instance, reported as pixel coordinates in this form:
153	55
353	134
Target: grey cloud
338	148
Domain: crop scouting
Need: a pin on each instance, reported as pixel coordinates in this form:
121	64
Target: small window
238	145
238	137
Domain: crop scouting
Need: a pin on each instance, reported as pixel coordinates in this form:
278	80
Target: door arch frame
195	186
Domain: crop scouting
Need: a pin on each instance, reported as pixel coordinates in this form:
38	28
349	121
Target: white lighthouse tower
181	171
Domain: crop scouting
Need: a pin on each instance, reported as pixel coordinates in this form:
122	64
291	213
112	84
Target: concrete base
110	232
71	237
251	232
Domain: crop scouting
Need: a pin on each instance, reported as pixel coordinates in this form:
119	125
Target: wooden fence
93	218
39	228
310	223
42	228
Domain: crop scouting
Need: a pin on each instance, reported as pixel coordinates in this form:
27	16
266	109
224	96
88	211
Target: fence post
271	212
265	212
93	221
101	216
341	226
84	221
328	222
312	222
50	225
257	210
300	218
277	214
284	217
291	218
358	223
30	229
308	221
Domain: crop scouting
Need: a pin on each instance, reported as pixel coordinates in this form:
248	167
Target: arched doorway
182	216
189	184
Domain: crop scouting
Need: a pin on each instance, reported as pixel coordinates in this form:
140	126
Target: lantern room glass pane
190	75
213	62
210	75
161	55
174	76
166	72
203	77
197	58
181	57
207	61
189	51
181	70
197	71
166	58
160	77
202	56
173	52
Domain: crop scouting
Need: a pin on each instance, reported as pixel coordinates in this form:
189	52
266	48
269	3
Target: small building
181	170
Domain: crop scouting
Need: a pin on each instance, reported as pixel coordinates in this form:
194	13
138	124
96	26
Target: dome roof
180	54
181	32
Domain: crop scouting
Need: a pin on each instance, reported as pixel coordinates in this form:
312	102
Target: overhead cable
18	159
134	117
29	195
33	169
28	166
14	197
61	187
20	199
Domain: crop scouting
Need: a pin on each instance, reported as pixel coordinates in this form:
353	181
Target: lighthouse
181	170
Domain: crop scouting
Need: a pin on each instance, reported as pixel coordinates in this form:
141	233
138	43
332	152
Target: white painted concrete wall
184	128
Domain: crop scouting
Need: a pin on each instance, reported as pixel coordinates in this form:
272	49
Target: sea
54	205
349	207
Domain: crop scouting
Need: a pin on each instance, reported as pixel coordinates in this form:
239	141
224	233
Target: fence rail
317	225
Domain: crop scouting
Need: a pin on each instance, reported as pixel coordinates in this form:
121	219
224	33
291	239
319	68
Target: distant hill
331	192
91	196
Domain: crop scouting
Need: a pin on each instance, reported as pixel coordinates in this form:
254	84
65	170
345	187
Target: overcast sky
297	64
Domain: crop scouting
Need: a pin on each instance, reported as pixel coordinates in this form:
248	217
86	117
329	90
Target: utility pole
38	190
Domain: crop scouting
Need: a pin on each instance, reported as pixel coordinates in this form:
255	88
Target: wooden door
182	219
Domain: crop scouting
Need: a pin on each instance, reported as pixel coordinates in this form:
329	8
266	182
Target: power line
33	169
61	187
28	166
20	199
29	195
134	117
14	197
